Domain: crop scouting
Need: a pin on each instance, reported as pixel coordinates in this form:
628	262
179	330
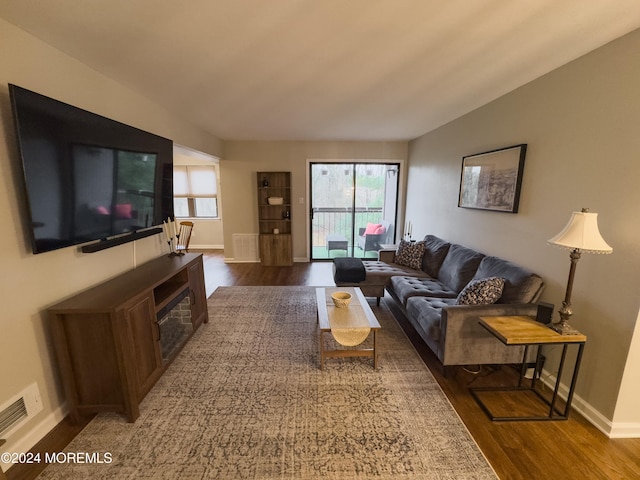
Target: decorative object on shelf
492	180
275	200
286	215
172	233
265	182
341	299
581	234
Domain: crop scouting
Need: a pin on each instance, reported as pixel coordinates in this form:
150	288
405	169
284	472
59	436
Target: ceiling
323	69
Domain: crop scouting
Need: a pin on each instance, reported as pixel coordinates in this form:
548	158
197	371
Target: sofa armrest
387	256
464	341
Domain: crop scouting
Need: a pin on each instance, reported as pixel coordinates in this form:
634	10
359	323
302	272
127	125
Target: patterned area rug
246	399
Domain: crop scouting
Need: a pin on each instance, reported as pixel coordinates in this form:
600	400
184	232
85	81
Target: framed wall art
492	180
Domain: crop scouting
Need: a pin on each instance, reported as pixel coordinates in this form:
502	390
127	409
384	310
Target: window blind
194	181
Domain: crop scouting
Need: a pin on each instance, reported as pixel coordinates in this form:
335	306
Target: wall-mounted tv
87	177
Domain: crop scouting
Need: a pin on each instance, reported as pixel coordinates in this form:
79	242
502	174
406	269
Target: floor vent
18	410
12	415
245	247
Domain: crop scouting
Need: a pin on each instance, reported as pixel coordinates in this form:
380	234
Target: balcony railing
328	221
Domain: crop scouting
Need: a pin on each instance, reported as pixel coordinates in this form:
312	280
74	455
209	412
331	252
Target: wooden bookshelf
274	218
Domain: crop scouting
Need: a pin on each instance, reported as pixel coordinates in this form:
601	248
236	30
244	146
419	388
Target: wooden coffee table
358	310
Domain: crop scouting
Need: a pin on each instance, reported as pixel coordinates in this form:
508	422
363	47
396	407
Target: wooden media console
116	339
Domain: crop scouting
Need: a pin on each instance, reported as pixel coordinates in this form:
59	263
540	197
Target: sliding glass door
353	208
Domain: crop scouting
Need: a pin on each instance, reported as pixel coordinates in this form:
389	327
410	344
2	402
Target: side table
336	241
524	330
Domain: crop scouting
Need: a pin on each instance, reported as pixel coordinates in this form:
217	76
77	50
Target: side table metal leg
557	387
576	368
523	367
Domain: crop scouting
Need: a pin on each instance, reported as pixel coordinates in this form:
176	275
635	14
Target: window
195	191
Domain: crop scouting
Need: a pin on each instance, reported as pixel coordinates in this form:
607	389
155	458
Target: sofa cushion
410	254
427	313
520	285
406	287
459	267
482	291
435	250
378	273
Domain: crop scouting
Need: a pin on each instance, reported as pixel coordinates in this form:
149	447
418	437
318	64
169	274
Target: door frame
400	195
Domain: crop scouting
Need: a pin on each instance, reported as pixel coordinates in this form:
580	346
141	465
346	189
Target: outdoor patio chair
373	235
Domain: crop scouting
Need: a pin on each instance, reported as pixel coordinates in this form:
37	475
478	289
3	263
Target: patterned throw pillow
483	291
410	254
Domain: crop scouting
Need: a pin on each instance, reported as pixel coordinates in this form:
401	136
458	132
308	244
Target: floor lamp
580	235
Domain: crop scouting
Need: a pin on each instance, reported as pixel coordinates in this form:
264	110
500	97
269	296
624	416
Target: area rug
246	399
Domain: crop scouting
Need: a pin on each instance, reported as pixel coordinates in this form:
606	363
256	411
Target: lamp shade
582	233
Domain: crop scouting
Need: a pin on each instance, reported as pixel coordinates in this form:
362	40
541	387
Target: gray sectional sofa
430	297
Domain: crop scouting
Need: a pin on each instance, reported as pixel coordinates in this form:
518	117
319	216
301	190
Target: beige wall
241	161
29	283
581	126
207	232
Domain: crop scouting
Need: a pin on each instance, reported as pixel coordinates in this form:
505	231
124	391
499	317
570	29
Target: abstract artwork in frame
492	180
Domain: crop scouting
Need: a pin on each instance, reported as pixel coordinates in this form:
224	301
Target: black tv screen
88	177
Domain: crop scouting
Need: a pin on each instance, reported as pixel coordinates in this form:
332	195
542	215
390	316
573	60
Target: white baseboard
597	419
625	430
205	247
33	435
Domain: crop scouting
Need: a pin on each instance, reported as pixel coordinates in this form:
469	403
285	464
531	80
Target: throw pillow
124	210
410	254
371	228
483	291
380	230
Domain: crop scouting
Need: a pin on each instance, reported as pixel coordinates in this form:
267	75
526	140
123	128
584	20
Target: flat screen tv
87	177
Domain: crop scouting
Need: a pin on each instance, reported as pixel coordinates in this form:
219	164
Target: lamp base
563	328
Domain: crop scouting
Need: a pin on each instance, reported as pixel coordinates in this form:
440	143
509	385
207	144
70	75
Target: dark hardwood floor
570	449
